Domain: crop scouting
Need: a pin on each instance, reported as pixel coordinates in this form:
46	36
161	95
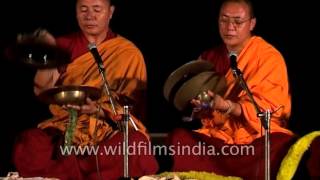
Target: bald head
248	3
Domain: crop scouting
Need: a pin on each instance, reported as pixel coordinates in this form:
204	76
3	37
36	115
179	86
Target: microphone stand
124	128
126	117
263	116
93	49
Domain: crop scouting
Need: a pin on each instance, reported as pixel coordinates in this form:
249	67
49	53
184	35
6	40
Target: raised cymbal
191	79
63	95
38	54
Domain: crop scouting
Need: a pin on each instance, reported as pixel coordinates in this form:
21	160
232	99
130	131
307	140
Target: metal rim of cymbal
188	80
39	54
71	94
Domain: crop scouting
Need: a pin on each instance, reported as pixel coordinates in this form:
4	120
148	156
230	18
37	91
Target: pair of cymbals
191	79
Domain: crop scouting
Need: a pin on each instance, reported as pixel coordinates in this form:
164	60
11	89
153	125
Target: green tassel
73	115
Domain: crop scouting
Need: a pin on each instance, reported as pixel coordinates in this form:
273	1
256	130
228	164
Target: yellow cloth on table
194	175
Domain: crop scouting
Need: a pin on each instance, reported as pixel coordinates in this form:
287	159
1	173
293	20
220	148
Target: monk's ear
253	22
112	8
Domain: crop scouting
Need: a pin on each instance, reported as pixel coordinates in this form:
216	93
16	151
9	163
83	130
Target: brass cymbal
38	54
63	95
191	79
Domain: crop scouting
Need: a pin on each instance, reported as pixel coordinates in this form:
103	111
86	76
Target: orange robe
265	73
126	75
37	151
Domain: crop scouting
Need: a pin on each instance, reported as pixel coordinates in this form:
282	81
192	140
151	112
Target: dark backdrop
169	34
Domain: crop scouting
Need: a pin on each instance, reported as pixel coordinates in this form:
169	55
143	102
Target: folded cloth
15	176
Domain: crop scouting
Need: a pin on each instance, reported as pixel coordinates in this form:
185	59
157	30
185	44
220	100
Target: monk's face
235	24
93	16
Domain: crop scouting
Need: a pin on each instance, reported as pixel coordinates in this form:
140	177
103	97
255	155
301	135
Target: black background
169	34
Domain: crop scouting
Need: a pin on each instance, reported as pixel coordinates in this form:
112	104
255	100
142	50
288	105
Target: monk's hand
203	104
207	102
91	107
225	106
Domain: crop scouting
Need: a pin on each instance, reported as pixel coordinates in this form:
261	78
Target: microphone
233	60
93	49
233	64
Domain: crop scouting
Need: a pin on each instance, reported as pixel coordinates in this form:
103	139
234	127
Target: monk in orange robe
265	72
38	152
233	121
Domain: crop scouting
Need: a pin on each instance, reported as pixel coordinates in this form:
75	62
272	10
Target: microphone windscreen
233	60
